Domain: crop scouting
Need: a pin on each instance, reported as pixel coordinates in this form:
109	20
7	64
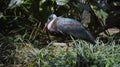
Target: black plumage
68	26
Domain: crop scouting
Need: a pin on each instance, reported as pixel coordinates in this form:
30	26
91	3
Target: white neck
50	24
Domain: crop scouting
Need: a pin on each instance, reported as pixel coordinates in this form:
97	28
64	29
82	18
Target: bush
80	54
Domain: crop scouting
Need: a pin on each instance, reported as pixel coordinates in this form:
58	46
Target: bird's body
68	26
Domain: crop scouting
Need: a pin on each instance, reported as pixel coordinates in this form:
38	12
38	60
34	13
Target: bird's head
50	18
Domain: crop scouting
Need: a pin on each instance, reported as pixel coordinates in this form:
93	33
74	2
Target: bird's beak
45	27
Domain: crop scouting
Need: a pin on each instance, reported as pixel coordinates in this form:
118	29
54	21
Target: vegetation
78	54
23	42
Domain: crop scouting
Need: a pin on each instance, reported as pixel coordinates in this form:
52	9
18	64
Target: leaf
14	3
62	2
85	18
101	14
1	14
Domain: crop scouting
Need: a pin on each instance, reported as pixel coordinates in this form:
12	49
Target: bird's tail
89	38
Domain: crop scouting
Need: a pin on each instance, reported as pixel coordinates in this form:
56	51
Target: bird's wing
74	28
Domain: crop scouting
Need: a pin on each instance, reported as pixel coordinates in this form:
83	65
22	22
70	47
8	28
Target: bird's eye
50	18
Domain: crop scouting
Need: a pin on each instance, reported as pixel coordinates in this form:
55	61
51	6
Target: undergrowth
80	54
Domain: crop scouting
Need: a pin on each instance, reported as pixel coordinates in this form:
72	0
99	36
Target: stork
68	26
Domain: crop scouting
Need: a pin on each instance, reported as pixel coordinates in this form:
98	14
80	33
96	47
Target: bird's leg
67	41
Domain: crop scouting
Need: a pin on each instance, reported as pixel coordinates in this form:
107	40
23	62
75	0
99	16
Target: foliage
21	35
102	55
6	49
81	54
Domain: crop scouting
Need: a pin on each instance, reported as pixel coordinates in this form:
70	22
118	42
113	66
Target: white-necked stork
68	26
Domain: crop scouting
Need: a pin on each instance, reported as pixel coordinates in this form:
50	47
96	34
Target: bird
68	26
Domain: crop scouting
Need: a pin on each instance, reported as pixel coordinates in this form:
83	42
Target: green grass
80	53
